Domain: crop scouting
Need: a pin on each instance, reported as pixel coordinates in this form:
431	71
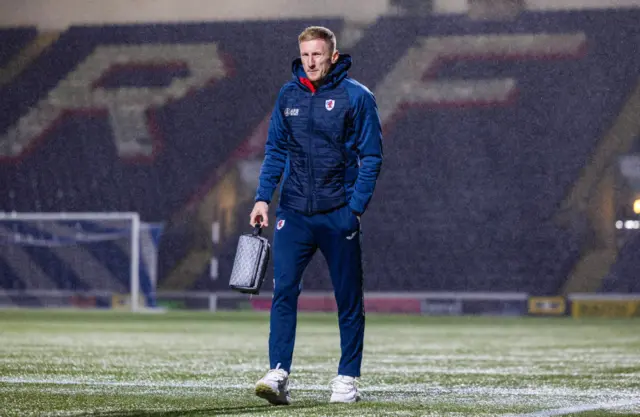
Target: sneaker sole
265	391
355	400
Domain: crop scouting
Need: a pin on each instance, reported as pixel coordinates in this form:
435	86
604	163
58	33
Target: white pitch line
406	389
577	409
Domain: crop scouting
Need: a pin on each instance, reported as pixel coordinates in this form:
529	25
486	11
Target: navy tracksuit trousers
297	237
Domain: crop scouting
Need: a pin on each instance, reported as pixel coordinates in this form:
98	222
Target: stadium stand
468	192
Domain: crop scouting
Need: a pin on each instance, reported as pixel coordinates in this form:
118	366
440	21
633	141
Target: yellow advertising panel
605	308
554	306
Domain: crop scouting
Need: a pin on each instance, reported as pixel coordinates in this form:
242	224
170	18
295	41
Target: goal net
78	260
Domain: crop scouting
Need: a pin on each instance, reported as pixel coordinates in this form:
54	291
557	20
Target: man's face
317	59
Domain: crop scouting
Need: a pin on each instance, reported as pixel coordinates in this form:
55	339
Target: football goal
78	260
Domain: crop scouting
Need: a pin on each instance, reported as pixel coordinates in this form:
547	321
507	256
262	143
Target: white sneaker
274	387
344	390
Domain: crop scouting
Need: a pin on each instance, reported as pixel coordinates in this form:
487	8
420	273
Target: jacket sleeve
275	155
368	134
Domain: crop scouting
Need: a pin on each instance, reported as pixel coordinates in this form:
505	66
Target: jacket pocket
350	220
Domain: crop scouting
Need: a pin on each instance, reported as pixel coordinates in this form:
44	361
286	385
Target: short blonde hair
319	32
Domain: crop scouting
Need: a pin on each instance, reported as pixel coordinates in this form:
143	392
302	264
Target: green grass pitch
107	363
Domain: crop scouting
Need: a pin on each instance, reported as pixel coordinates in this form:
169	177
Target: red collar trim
307	83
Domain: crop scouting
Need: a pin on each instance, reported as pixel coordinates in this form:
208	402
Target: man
325	137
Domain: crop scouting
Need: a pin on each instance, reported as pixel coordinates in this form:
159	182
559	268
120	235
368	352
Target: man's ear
335	56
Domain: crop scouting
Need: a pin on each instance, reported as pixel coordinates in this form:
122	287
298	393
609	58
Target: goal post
80	253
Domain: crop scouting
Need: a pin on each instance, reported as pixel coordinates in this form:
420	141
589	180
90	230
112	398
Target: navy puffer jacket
328	144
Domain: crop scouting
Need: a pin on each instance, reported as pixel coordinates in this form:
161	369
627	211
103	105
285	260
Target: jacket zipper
310	158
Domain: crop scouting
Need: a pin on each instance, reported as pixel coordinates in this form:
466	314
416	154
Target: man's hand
259	214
